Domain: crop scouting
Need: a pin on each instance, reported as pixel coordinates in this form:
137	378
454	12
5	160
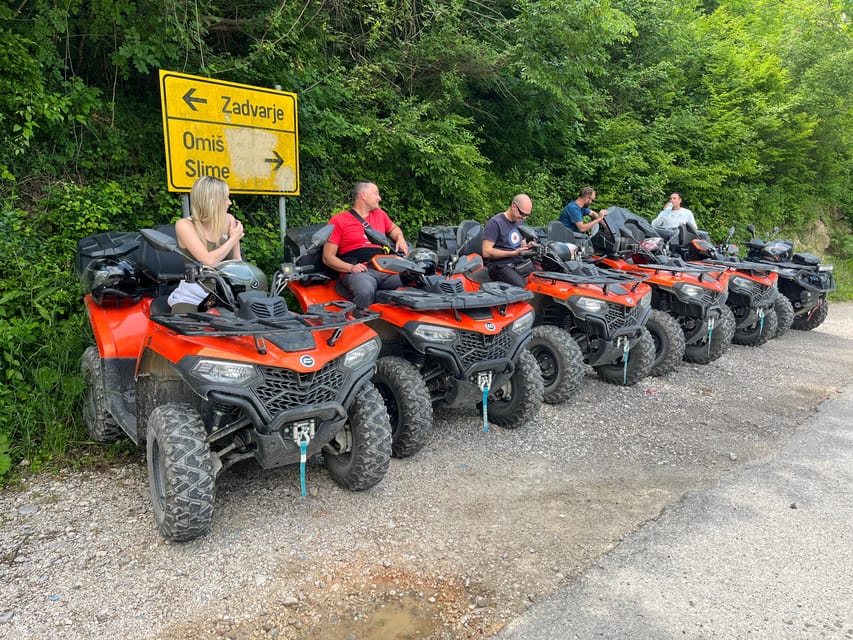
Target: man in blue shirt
573	214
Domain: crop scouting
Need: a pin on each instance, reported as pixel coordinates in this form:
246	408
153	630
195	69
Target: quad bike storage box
441	239
112	245
105	263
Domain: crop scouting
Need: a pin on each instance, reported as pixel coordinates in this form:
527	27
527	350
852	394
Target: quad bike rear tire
408	403
784	314
359	455
560	361
518	401
812	320
701	352
99	423
181	472
758	332
641	357
668	340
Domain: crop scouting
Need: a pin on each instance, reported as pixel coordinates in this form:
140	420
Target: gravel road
452	544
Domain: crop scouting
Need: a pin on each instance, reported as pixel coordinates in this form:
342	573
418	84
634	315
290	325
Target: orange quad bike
753	293
441	344
599	314
246	379
693	294
607	312
560	359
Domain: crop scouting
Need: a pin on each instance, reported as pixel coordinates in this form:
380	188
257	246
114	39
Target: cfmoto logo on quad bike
490	326
307	361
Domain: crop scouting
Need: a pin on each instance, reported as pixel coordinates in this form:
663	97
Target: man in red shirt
348	250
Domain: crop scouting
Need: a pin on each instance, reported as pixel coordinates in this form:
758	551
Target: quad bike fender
308	293
117	327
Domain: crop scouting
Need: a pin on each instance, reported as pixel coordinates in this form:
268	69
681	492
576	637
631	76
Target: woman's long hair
208	205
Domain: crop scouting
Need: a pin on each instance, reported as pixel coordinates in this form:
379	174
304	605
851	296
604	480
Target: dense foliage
451	106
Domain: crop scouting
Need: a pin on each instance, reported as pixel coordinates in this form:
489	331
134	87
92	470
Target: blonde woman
210	235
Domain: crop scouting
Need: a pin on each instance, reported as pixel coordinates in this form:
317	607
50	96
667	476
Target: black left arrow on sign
189	98
277	161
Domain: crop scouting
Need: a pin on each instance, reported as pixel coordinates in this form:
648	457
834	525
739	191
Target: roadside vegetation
450	106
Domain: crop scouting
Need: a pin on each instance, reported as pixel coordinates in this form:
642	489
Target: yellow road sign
245	135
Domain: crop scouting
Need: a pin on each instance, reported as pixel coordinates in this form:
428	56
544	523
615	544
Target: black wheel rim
547	365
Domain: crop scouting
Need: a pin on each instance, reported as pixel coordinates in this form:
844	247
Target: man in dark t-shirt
503	243
349	251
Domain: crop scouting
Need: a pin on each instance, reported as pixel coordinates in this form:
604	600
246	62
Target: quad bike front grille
473	347
619	316
711	298
283	389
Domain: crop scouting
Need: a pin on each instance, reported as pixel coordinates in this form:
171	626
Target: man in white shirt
674	215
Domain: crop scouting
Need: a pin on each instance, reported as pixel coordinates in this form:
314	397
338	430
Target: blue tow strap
710	333
485	409
303	458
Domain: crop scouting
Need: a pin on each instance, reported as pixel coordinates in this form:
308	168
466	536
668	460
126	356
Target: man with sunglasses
503	243
573	214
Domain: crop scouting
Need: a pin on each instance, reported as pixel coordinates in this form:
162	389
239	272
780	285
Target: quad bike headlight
434	333
590	305
362	354
221	372
523	324
645	301
690	290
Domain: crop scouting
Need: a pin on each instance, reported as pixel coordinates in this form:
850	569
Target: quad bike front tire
181	472
359	455
705	352
560	361
641	357
408	403
518	401
812	320
759	331
784	314
669	342
99	423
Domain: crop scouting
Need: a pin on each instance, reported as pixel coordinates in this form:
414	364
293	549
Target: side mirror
320	237
528	233
751	228
160	241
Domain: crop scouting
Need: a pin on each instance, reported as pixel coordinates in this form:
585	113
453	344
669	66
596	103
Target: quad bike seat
558	232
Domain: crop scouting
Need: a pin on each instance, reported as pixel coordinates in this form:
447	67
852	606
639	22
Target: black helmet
558	254
426	259
108	273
